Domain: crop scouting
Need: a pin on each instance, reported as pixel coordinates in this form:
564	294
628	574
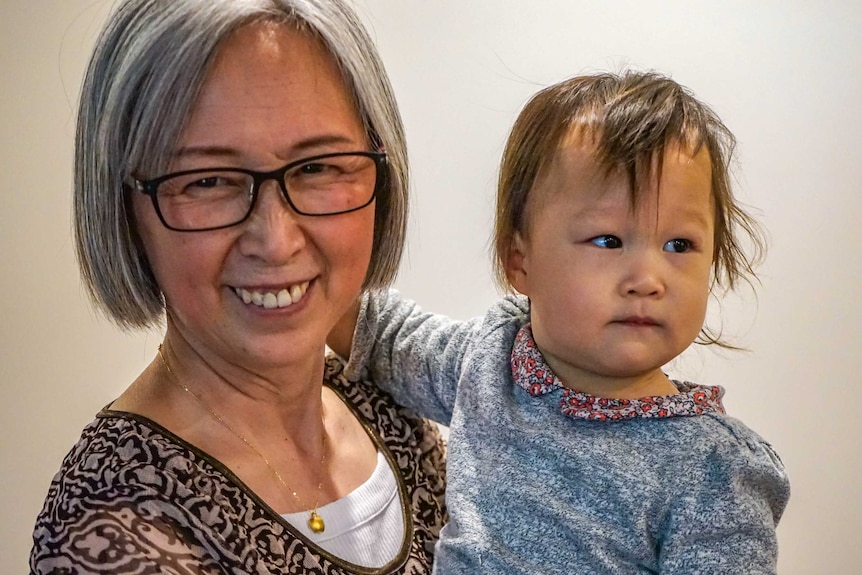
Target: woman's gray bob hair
139	89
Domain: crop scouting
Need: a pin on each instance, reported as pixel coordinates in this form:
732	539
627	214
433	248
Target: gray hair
154	52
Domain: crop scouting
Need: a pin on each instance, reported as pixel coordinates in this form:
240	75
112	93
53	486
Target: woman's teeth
272	300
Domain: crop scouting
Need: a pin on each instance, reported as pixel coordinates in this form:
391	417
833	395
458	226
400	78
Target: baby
570	449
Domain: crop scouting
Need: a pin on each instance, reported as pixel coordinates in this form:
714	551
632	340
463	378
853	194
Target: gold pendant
315	522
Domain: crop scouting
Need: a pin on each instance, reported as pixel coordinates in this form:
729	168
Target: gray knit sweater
536	486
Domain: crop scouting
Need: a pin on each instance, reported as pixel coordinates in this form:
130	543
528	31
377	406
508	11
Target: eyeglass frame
150	187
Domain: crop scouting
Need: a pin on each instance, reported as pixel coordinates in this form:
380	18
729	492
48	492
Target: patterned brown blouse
132	498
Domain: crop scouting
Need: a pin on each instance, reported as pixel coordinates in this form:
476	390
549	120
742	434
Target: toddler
570	450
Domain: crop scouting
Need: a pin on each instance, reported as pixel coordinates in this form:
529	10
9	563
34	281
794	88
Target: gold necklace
315	521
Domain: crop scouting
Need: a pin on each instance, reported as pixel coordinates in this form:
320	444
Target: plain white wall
786	77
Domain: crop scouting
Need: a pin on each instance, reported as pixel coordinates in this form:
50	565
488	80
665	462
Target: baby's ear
517	264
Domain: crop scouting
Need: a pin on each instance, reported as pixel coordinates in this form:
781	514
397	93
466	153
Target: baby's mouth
271	300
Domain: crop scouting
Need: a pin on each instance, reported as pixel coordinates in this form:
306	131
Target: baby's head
629	126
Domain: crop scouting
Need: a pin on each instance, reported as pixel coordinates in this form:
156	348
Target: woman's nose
273	231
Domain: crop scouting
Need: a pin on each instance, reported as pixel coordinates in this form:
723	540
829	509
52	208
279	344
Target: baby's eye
678	245
607	241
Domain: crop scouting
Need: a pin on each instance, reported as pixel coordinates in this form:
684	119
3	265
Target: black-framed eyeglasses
215	198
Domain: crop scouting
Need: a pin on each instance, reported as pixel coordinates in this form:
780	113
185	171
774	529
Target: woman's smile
271	298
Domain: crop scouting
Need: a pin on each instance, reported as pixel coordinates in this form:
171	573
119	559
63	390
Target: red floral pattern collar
532	373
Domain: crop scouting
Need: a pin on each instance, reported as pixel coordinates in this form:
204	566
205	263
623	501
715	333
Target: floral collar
532	373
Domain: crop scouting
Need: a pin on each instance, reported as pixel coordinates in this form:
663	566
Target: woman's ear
517	264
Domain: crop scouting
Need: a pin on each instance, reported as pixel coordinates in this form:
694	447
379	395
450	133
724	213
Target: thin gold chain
315	522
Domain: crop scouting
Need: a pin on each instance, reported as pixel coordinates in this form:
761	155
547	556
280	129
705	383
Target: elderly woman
241	172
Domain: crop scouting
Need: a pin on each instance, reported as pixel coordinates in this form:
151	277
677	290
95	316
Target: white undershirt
365	527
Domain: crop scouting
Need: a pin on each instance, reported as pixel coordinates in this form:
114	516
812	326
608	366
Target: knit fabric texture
533	488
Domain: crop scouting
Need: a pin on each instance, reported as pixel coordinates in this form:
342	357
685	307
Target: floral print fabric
532	373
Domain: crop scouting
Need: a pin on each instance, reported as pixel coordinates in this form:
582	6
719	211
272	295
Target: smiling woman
272	95
253	212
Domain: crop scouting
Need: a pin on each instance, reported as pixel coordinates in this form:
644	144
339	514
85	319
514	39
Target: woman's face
273	96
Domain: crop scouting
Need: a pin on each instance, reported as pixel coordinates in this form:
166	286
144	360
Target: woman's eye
607	242
209	182
217	181
313	168
678	245
212	185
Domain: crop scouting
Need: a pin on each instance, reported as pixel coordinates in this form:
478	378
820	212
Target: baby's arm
723	520
415	356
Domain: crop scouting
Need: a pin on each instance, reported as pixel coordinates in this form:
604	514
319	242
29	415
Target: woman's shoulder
126	483
127	459
120	451
130	484
116	439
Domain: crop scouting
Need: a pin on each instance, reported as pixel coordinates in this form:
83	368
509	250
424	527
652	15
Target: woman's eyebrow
227	151
204	151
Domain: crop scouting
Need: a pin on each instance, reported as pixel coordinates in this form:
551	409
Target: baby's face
616	293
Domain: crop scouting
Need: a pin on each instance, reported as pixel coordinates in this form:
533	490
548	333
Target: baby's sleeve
724	516
415	356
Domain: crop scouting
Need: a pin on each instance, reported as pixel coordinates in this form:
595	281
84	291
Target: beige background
787	78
